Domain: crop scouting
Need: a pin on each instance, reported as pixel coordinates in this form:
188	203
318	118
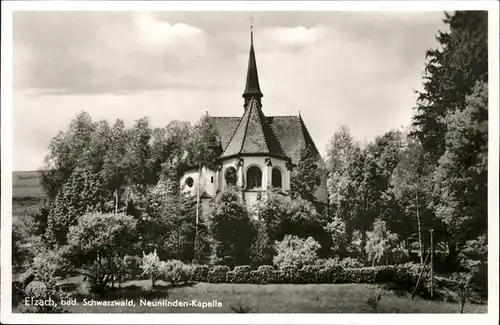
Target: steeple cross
252	20
251	28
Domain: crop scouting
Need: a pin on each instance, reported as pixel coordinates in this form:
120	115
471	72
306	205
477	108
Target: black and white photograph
250	160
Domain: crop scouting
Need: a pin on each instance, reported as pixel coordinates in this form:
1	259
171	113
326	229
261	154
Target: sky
358	69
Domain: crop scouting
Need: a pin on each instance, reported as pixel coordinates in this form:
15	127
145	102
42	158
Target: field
27	193
292	298
26	185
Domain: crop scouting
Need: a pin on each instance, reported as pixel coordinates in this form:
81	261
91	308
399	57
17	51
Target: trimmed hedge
200	273
405	275
399	277
218	274
288	274
241	274
310	274
264	275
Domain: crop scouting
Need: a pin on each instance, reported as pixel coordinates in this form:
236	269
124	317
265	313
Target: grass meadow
252	298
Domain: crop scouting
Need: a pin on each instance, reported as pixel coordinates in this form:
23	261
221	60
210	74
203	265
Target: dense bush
347	262
188	272
218	274
295	251
173	271
132	267
262	250
47	267
48	292
151	266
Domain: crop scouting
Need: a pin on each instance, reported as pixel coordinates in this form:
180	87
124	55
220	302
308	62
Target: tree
81	194
151	266
340	149
340	241
304	180
302	219
461	175
65	152
95	242
114	170
138	155
262	249
269	215
382	245
166	220
451	72
92	156
19	240
345	168
295	251
271	212
380	159
407	186
230	229
169	147
203	151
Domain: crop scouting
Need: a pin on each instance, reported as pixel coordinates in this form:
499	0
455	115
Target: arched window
254	178
230	176
276	178
189	182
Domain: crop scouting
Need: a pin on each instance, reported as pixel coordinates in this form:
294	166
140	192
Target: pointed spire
252	88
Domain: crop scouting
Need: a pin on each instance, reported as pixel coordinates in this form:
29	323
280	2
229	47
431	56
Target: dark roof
289	131
253	134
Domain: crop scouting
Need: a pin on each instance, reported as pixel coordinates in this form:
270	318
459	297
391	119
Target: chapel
258	152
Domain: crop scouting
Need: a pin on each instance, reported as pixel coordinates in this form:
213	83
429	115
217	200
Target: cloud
160	35
107	53
292	38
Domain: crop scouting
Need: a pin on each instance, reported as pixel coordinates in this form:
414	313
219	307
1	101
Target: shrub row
405	274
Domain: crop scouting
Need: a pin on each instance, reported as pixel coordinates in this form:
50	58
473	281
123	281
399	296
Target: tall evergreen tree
452	70
81	194
305	177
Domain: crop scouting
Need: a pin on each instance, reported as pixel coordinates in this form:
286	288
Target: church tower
252	88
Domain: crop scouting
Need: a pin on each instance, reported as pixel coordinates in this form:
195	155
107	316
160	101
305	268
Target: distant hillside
27	193
27	185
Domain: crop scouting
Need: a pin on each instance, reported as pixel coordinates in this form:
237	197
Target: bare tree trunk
116	200
419	232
